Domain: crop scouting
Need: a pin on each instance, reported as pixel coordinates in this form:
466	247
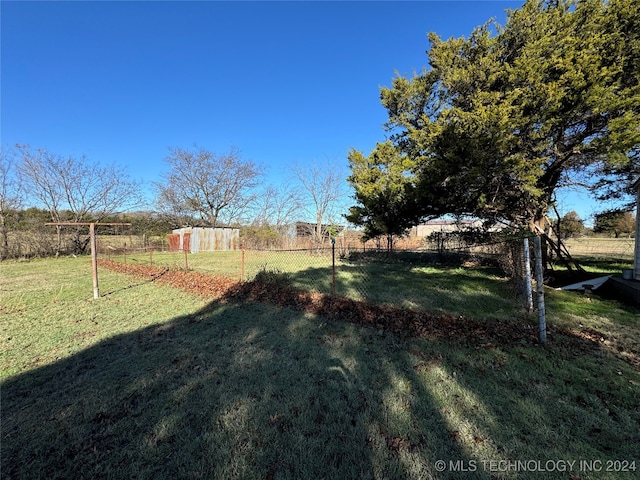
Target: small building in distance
301	234
445	226
200	239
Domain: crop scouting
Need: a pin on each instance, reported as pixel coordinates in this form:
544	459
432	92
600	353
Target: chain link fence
349	270
417	271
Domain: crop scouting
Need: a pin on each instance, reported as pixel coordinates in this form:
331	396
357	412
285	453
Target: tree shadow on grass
248	390
236	390
472	292
572	405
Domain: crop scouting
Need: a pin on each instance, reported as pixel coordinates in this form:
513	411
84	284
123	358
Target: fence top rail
86	223
276	250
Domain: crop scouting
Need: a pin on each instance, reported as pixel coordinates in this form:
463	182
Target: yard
151	381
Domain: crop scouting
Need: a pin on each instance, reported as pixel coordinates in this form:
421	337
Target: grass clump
274	277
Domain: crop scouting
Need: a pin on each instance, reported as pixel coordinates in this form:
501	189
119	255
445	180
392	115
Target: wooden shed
199	239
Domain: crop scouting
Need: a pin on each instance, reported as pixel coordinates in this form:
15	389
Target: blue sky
284	82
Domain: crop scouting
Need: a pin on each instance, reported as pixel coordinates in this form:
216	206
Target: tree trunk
58	240
5	238
541	226
318	232
79	245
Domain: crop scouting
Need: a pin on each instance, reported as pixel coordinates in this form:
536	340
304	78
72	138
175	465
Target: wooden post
186	262
94	247
94	259
542	321
150	256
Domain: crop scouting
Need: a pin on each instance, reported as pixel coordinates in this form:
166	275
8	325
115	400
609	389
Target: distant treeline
149	223
25	233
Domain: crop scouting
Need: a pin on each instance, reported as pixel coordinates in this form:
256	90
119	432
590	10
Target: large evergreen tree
385	192
501	120
570	225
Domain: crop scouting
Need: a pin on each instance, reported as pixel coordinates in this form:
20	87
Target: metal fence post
242	262
333	266
94	259
542	321
527	276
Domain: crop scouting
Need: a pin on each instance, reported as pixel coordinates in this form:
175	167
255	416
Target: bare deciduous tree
75	190
216	188
278	206
10	198
324	187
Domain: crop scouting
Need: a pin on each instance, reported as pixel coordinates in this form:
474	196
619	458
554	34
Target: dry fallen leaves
382	317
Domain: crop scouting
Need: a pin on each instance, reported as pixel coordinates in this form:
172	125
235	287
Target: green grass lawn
151	382
410	284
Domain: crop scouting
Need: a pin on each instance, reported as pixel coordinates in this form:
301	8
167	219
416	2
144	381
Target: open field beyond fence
42	243
600	246
148	381
595	247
